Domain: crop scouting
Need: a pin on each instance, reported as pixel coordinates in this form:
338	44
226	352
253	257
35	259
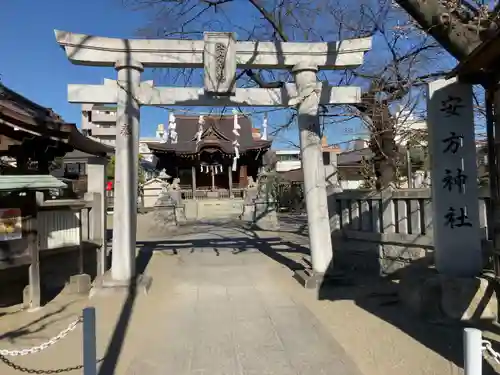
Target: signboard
10	224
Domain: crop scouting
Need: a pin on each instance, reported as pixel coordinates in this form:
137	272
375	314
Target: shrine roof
20	116
217	133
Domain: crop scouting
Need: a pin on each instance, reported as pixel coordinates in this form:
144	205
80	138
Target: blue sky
34	65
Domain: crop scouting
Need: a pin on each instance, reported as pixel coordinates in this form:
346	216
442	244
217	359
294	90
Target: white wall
351	184
288	165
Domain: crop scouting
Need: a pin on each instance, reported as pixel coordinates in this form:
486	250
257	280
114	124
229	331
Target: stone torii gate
220	55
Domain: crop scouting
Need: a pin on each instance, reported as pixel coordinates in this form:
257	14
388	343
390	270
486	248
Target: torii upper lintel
91	50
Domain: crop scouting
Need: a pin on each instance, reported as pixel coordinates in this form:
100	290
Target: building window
326	158
79	169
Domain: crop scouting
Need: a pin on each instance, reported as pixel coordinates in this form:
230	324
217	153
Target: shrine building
33	136
211	155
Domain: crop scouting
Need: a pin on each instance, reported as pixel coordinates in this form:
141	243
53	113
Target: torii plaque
219	54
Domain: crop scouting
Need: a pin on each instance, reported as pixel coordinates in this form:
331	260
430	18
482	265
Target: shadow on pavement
380	298
115	345
273	247
377	295
36	325
248	241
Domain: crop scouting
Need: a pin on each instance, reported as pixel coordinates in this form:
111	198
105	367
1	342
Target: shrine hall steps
213	209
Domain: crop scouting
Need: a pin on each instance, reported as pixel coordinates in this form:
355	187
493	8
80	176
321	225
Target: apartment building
289	160
99	123
289	163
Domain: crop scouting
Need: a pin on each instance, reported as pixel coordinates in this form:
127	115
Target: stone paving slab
225	317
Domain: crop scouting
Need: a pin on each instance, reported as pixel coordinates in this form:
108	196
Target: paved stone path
217	305
226	316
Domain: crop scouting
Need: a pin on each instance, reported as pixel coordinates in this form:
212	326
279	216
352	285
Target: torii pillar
126	170
320	240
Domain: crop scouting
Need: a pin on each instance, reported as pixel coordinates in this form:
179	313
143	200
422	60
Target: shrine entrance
219	54
213	172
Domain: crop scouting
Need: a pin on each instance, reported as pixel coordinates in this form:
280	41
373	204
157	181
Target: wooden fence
60	238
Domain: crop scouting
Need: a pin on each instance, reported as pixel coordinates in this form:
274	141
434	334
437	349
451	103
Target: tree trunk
453	35
380	122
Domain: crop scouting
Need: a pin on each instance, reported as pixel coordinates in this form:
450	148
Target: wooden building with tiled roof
34	135
206	161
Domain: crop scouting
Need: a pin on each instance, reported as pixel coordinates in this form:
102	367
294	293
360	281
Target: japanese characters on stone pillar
452	148
219	59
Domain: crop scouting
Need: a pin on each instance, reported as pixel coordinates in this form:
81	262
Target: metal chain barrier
487	348
4	353
35	349
37	371
89	365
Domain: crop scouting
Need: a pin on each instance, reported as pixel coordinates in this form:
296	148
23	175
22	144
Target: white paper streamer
162	133
172	126
264	128
236	133
201	122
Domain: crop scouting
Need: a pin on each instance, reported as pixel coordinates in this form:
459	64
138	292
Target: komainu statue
175	185
251	184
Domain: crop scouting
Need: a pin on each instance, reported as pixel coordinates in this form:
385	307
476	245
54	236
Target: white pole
473	352
89	342
312	164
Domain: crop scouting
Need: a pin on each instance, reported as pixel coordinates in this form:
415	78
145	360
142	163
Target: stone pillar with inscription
457	239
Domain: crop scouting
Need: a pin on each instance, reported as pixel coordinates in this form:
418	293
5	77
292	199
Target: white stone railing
391	225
